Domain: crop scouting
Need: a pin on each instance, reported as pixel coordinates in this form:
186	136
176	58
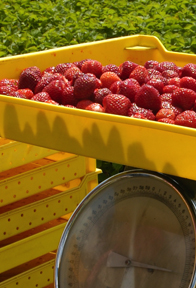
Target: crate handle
140	48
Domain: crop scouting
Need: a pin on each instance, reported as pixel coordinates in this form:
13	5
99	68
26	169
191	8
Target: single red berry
41	97
156	83
84	86
148	97
174	81
23	93
188	82
129	88
139	73
92	66
99	94
111	68
29	78
169	74
116	104
167	120
71	72
166	97
165	113
82	104
184	98
126	68
62	67
97	107
108	78
186	118
169	88
166	65
7	89
151	64
55	89
147	113
189	70
68	97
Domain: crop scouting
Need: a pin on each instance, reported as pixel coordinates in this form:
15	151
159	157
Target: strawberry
165	113
52	102
139	116
79	63
111	68
29	78
151	64
167	65
169	88
156	76
168	105
152	72
114	88
147	113
46	79
116	104
41	97
97	107
186	118
126	68
70	106
68	97
166	97
167	120
7	89
148	97
188	82
129	88
99	94
71	72
174	81
183	98
169	74
23	93
48	70
92	66
62	67
82	104
10	82
189	70
84	86
139	73
156	83
55	89
108	78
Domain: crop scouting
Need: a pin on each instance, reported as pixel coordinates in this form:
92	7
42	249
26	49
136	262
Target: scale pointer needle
116	260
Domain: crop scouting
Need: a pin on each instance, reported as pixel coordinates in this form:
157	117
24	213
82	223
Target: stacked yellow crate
39	188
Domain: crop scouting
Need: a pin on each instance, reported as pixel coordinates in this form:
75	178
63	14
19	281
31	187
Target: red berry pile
158	91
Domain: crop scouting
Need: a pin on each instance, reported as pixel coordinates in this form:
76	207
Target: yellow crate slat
15	153
40	179
46	241
39	276
31	247
39	212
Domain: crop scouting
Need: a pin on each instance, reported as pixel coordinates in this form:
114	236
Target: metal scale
136	229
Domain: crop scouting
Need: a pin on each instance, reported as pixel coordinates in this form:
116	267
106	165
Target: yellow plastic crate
39	189
134	142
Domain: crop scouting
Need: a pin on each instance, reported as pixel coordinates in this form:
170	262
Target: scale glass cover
137	229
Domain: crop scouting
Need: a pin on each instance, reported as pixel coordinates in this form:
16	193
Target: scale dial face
133	230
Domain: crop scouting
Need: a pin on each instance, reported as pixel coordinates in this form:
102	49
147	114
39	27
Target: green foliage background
28	26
